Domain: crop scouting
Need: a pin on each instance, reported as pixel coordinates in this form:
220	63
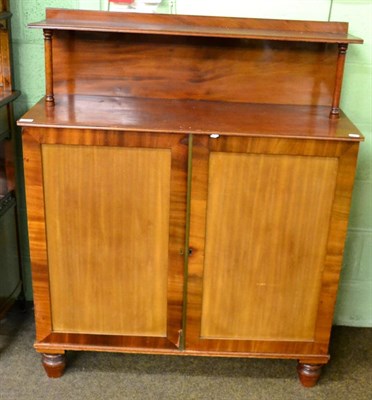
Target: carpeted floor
141	377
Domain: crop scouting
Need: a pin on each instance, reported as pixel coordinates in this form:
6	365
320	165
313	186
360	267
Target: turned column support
48	44
54	364
309	373
335	110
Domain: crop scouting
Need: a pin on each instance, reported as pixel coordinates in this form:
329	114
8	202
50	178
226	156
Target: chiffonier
188	186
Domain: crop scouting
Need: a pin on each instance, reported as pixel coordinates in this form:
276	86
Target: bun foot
309	373
54	364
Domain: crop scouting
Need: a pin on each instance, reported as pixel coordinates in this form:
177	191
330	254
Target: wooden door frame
48	341
317	349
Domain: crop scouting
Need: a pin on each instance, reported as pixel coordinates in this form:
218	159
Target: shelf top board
202	26
190	116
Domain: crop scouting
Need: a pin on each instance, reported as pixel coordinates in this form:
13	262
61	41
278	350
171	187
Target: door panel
107	218
265	215
255	264
112	229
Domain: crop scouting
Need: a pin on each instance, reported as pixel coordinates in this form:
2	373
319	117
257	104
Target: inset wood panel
266	240
216	69
107	220
334	162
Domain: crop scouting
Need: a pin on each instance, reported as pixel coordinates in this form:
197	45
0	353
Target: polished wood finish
125	344
60	270
4	6
335	110
297	78
186	41
7	94
309	374
191	116
5	57
276	249
188	192
191	25
48	45
276	204
54	364
96	237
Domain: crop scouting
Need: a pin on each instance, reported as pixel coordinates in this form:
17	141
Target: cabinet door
267	229
106	219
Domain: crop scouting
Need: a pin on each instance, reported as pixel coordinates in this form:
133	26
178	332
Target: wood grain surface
196	68
5	69
190	116
265	245
107	218
163	124
82	283
190	25
266	235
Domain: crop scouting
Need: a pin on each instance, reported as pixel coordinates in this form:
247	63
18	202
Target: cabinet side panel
107	217
267	227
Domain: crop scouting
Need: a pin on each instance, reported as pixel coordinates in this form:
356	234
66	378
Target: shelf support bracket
335	110
48	43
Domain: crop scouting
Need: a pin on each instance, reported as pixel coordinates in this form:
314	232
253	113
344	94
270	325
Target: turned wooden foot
309	373
54	364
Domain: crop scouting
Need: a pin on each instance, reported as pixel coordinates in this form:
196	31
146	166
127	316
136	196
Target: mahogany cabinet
188	186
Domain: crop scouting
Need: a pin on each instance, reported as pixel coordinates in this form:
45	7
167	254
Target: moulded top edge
202	32
186	25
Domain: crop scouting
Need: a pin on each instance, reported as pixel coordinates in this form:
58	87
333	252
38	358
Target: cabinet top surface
187	25
190	116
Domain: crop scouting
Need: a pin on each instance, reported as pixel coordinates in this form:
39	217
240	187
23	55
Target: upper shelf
187	25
